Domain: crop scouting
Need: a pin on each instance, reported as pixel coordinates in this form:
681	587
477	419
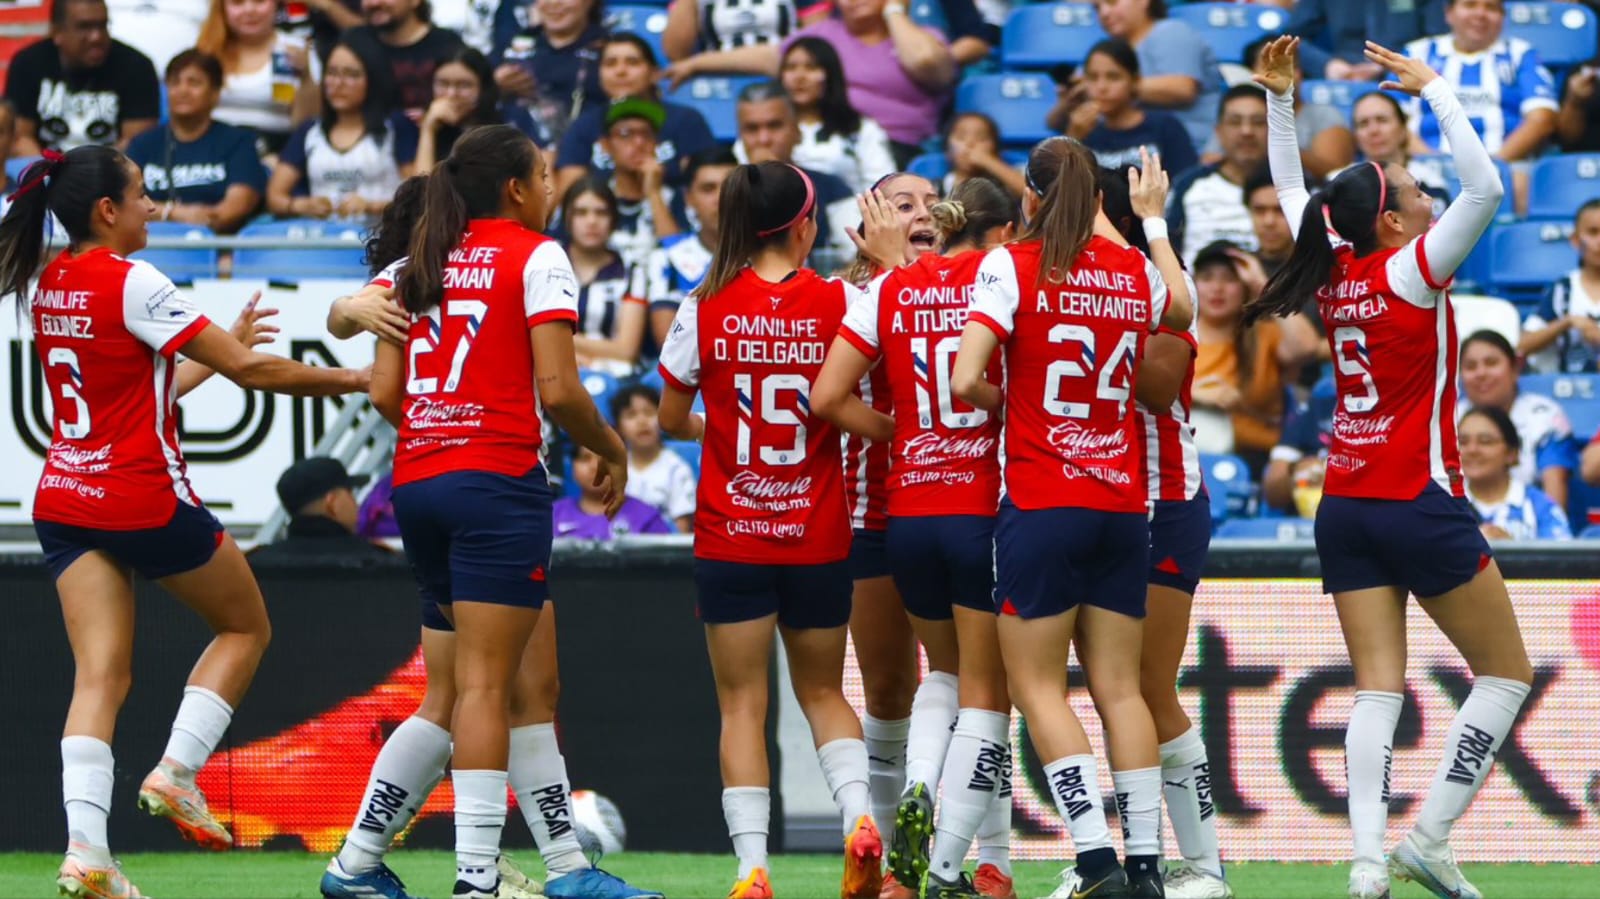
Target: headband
1383	194
805	209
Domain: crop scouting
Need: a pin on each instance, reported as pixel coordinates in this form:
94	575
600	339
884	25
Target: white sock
480	816
1139	806
933	714
1075	786
203	718
748	811
86	775
1469	749
886	766
1186	787
994	834
407	768
1368	756
844	767
538	775
973	772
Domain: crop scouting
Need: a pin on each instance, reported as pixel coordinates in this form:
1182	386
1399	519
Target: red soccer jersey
1072	348
106	329
1172	464
1394	349
771	479
470	403
945	456
866	464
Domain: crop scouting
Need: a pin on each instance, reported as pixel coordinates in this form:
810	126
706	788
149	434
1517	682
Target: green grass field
280	875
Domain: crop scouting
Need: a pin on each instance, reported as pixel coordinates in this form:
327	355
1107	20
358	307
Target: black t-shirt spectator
566	79
82	106
413	65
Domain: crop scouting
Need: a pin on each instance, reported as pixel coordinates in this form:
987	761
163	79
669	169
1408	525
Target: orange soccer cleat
863	861
756	886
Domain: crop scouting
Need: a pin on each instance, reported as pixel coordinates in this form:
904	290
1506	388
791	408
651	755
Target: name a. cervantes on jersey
929	448
1358	431
425	412
1094	305
1073	441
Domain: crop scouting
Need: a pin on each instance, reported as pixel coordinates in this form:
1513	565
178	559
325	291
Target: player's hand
379	315
1414	74
1276	64
612	480
249	328
1147	186
882	238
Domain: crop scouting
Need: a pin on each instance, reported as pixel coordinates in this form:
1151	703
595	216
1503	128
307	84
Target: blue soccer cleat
379	883
593	883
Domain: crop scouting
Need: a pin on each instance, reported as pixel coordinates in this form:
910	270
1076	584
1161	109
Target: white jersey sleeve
1283	157
995	295
155	312
549	288
1159	295
680	355
390	274
861	318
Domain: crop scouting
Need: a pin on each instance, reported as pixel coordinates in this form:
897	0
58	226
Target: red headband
1383	194
805	209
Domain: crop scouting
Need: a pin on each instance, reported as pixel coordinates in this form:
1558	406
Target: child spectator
1238	378
1111	121
972	147
584	517
350	162
1564	334
834	138
1489	379
678	265
267	83
656	475
465	96
199	172
611	295
1179	70
1509	509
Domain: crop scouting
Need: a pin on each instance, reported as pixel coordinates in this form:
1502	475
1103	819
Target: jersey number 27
471	310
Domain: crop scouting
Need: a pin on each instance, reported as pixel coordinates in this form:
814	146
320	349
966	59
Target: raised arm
1275	72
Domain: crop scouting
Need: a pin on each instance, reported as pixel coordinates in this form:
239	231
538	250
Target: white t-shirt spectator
370	169
1546	436
1207	207
667	484
727	24
858	160
263	100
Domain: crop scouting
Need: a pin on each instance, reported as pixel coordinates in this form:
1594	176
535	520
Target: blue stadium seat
1228	481
1446	167
291	265
1527	256
647	21
600	386
1561	184
1283	530
932	166
1341	95
181	265
1048	34
930	14
1579	396
1583	508
1476	269
715	97
1017	102
17	164
1565	34
1231	27
1592	532
689	450
653	380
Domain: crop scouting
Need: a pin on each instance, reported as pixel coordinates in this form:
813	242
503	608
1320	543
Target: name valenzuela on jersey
765	340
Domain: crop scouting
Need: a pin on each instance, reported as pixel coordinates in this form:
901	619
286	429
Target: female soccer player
772	530
943	489
115	499
490	345
1073	309
1393	519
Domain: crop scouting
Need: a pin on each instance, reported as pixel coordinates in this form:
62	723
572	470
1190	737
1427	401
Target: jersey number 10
935	374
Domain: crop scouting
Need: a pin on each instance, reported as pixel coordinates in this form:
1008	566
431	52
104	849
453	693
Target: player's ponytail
1061	173
976	207
758	207
1346	209
67	185
470	184
392	235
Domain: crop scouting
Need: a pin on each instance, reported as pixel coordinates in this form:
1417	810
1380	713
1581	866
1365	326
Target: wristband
894	8
1155	229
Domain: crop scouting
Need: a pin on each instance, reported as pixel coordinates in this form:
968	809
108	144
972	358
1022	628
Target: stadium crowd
241	111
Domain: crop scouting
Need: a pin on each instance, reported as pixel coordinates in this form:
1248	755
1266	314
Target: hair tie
805	208
54	157
1327	221
52	162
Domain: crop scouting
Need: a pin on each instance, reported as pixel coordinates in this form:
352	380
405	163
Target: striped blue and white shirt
1525	513
1497	87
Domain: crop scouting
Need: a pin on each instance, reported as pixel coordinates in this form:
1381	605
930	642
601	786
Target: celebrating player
772	530
1393	519
1073	309
943	489
115	498
493	304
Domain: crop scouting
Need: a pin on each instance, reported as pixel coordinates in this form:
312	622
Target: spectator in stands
1304	340
611	292
1507	94
1113	124
1336	32
656	475
199	171
1178	68
1509	509
319	495
972	148
899	73
834	138
678	265
1274	239
349	162
1382	135
1564	334
1489	380
769	130
412	45
471	20
1238	376
973	28
553	67
639	179
717	37
1578	123
1297	462
79	86
158	30
584	517
323	22
267	82
465	96
628	69
1206	204
8	141
1326	144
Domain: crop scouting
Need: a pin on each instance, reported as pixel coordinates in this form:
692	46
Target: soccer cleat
1188	881
756	886
514	884
894	889
379	883
913	830
993	883
962	888
1146	885
1435	872
81	880
166	796
467	890
1369	880
1113	886
594	883
863	861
